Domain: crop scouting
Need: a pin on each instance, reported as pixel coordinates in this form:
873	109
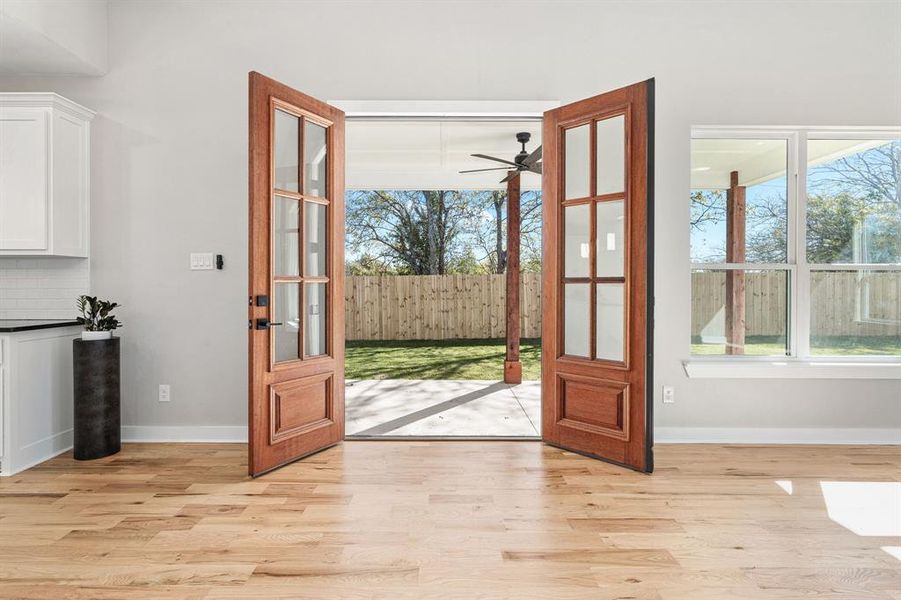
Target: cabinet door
24	178
70	186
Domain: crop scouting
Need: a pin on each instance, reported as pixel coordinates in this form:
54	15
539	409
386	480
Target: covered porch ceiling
426	154
758	160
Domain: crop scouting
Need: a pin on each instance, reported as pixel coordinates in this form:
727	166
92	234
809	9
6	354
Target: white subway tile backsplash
42	288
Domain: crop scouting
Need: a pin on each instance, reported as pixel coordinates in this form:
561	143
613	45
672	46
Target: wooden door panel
594	405
596	389
296	339
300	405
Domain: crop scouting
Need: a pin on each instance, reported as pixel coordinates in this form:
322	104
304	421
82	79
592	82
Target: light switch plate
202	261
164	392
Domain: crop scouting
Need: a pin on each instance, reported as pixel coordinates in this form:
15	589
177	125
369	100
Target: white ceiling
427	154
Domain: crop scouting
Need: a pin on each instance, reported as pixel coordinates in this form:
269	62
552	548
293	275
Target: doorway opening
427	261
597	281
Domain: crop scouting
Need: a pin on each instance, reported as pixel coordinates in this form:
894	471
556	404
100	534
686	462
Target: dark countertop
14	325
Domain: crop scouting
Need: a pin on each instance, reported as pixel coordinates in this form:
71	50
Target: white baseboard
187	433
753	435
37	452
662	435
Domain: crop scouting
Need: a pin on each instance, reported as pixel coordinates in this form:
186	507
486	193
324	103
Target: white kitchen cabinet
36	396
45	157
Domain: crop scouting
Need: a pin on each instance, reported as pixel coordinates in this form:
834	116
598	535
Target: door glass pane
578	159
286	310
314	340
855	313
760	166
575	246
314	239
611	155
610	322
716	322
576	323
314	160
610	239
285	233
853	210
285	153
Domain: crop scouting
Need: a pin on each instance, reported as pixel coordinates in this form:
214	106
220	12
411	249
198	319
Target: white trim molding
229	434
776	435
791	369
445	109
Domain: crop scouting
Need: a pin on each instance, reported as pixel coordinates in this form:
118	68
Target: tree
416	231
367	264
489	221
423	232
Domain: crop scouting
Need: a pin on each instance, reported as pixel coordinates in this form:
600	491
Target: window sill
753	368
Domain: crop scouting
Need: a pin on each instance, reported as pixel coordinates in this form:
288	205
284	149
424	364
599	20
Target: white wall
170	157
59	37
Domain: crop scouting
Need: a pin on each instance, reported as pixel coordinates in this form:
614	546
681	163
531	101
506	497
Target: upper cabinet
45	152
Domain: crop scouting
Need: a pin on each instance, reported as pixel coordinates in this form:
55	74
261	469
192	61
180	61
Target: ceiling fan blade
480	170
535	168
533	158
510	176
500	160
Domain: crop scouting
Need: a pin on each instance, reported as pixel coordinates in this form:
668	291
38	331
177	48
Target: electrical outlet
164	392
669	394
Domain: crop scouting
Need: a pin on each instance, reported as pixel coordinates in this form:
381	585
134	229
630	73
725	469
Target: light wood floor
464	520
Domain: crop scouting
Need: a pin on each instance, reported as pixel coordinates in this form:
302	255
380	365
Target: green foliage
96	314
368	264
834	221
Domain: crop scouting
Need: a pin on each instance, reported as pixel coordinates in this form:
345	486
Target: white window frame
798	363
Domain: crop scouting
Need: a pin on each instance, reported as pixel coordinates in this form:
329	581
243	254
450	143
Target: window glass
576	317
755	324
286	151
853	210
761	167
855	313
576	249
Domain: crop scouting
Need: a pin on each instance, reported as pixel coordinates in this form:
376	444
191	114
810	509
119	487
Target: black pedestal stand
97	415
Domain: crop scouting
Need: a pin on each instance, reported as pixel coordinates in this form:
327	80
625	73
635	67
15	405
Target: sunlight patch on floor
786	486
867	508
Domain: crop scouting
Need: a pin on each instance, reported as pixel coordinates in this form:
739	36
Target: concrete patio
442	408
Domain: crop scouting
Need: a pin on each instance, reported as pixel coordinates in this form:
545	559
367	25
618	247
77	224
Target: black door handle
266	324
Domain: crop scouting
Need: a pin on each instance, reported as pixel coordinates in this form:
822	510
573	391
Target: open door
598	260
296	263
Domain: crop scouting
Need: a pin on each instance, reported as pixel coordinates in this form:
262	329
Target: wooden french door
296	297
598	261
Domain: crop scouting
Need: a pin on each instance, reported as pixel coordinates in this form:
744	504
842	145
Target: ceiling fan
523	161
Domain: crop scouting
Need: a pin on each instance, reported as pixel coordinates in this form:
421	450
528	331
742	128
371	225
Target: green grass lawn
437	359
484	359
819	346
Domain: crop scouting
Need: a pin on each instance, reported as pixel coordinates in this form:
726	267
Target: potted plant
96	318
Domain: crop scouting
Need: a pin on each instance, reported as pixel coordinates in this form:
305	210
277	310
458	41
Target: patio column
512	366
735	253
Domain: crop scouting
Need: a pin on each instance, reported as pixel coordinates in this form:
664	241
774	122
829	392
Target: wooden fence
841	303
436	307
443	307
